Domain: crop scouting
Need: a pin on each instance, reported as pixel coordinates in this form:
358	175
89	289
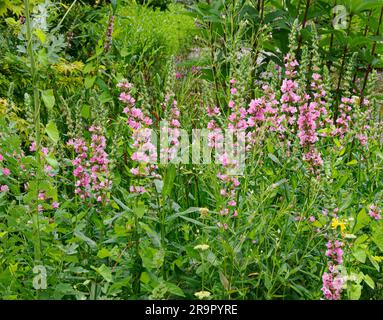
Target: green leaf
86	239
361	221
105	272
355	291
63	289
360	254
89	81
52	131
88	68
52	161
103	253
374	263
173	289
224	281
274	158
169	180
377	237
40	35
139	210
369	281
352	163
159	184
48	98
178	214
85	111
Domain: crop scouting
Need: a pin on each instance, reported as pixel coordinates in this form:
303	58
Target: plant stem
366	29
36	120
304	22
369	68
345	51
331	39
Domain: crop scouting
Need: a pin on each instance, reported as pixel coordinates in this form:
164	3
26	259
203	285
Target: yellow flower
202	294
335	223
202	247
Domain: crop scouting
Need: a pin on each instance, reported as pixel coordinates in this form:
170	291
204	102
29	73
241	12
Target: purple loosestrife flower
144	151
375	212
332	280
290	98
109	34
91	170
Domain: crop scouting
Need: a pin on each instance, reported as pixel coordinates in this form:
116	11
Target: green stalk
338	88
36	120
369	68
303	25
365	33
331	40
214	68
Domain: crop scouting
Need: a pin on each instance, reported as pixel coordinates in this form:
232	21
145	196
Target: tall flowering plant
91	170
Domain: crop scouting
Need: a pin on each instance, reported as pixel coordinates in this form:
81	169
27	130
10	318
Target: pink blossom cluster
290	98
42	198
109	34
332	285
215	136
260	111
228	191
237	120
342	123
91	169
145	152
362	116
332	280
6	172
48	169
172	130
312	116
375	212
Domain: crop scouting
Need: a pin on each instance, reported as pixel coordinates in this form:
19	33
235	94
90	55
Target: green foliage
145	37
171	241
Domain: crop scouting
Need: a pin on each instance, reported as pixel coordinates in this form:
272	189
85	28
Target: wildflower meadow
198	150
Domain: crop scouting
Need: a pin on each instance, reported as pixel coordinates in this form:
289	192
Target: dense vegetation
87	211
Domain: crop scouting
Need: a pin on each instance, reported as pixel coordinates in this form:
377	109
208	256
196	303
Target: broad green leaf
139	210
360	254
377	237
48	98
369	281
361	221
374	263
52	131
103	253
355	291
40	35
352	162
224	281
52	161
173	289
86	239
89	81
169	180
105	272
274	158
